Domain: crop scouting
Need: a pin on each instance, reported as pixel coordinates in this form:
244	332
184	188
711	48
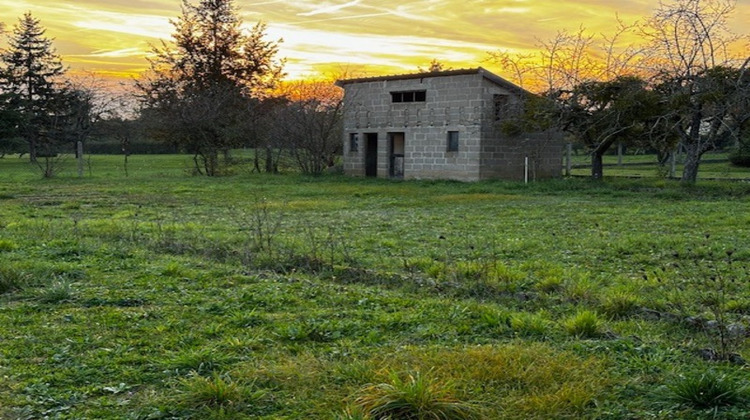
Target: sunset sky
367	37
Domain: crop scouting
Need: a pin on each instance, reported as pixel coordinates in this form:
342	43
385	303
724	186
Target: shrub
707	390
584	324
415	397
740	157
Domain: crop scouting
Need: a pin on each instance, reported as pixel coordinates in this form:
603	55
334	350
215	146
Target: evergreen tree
28	79
201	87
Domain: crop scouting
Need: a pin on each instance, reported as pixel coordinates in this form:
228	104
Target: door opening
396	144
371	154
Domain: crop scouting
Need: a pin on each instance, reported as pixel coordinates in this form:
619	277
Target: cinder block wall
504	157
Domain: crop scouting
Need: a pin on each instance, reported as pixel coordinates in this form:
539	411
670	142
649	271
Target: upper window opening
409	96
501	106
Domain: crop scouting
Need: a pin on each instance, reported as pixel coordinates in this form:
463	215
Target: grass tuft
620	304
202	361
584	324
216	391
12	279
707	390
529	324
58	291
413	397
6	245
351	413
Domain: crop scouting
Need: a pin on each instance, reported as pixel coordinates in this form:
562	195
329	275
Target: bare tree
694	61
590	88
311	124
571	58
97	101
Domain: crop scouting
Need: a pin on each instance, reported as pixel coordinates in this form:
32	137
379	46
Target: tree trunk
269	161
212	163
256	161
32	149
690	170
196	161
597	165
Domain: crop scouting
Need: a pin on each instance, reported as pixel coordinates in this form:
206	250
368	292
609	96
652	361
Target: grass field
715	167
161	295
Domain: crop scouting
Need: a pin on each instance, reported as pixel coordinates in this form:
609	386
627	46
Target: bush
740	157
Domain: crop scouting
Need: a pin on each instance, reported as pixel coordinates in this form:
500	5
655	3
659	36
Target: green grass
413	397
162	295
715	166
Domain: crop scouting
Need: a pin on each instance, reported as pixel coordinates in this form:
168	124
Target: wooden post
526	170
568	161
79	152
619	154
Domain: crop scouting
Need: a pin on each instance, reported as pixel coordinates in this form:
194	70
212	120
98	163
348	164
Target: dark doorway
371	154
396	144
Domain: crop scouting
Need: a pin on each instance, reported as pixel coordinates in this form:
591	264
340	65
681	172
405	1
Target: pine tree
28	79
200	87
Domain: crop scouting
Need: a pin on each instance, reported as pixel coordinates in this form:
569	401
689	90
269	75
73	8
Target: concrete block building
442	125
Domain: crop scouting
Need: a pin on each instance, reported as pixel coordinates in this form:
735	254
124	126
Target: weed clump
713	282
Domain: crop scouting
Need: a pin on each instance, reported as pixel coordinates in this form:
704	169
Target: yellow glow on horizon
369	37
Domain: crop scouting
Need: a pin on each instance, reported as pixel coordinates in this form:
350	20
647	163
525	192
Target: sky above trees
367	37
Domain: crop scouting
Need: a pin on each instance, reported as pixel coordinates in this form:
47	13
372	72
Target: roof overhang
447	73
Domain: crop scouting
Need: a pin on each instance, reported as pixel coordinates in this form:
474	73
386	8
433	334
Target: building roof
479	70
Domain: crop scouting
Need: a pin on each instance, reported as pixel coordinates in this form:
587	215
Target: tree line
212	88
